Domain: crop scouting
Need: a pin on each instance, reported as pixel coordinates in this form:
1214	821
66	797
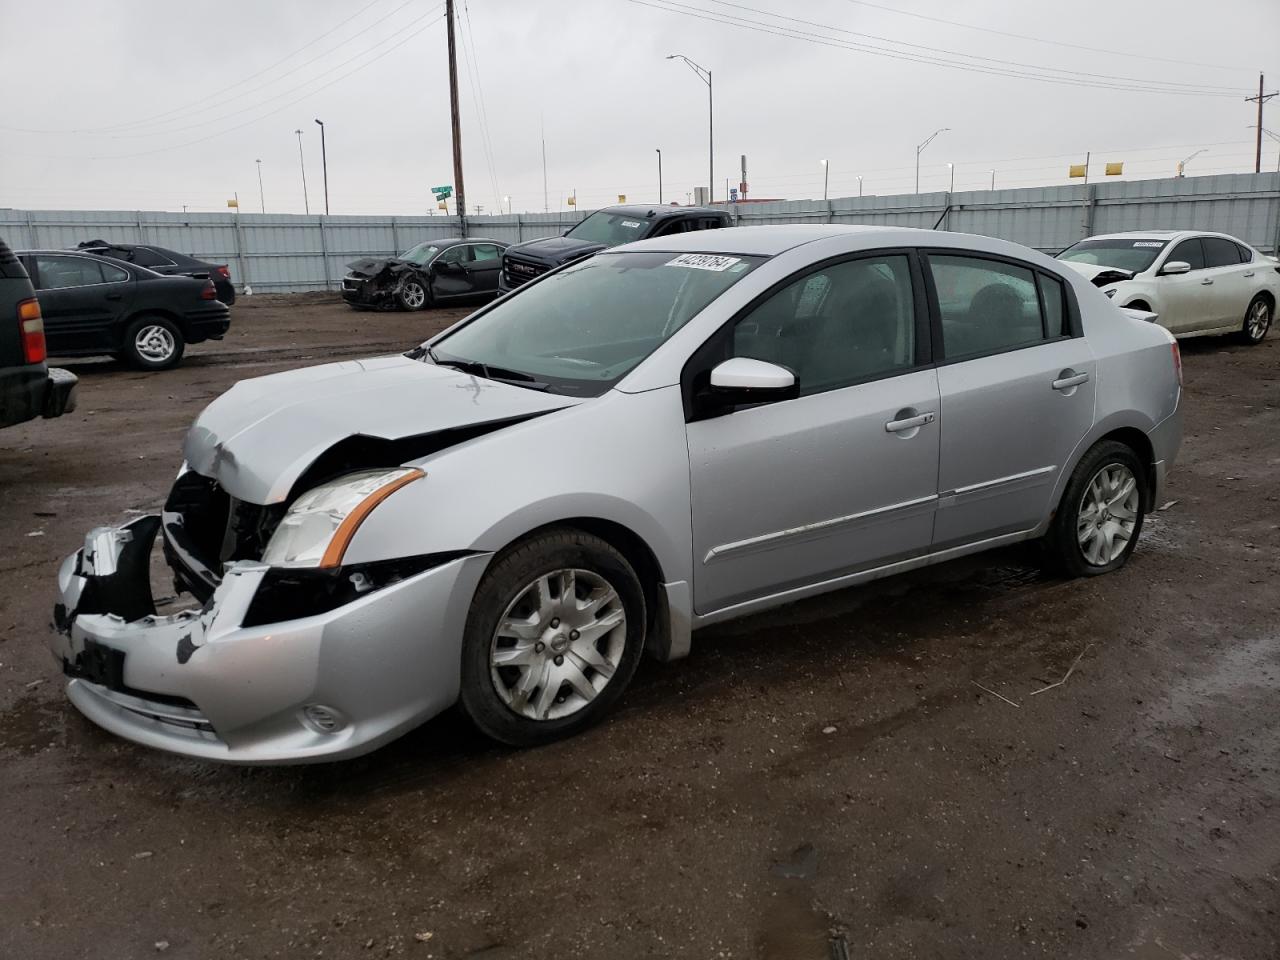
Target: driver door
841	478
451	273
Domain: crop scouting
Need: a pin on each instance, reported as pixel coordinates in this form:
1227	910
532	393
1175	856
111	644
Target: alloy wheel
1259	320
155	343
414	295
558	644
1108	514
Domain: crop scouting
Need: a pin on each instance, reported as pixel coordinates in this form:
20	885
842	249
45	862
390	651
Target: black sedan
96	305
167	262
437	271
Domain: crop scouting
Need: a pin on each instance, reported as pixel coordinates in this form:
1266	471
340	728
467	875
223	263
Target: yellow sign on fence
1078	170
233	203
1115	169
622	198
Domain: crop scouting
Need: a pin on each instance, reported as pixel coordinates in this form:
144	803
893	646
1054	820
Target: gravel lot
827	771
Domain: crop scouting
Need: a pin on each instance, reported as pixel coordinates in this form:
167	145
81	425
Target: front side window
610	229
985	306
420	254
1134	254
1188	251
579	330
59	272
844	324
459	254
1220	252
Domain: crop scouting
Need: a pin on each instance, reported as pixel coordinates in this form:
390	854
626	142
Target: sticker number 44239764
703	261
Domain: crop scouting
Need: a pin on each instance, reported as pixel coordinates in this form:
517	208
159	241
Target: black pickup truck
604	228
28	388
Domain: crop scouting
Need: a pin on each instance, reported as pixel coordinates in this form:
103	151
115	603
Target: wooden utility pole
1261	98
461	203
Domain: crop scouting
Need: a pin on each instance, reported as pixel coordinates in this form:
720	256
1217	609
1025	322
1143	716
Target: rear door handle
1206	281
113	296
908	423
1249	274
1066	383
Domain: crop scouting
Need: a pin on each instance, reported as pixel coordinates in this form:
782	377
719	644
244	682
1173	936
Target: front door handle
1206	281
1074	380
113	296
908	423
1249	274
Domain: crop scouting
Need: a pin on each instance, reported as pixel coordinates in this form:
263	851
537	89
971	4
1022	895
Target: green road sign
442	192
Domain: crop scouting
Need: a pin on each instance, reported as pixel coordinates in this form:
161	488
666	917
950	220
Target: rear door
1231	290
839	479
81	299
1017	385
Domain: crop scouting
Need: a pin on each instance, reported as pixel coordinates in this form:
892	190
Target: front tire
555	633
1257	321
153	343
413	294
1100	517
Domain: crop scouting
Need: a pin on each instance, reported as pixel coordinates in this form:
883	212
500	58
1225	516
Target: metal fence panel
292	253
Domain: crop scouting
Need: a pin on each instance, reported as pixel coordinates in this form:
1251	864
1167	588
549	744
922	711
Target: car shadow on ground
879	622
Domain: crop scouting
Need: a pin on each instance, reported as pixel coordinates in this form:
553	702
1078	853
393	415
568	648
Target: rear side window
56	273
1220	252
1189	251
1055	308
485	251
986	306
113	274
146	257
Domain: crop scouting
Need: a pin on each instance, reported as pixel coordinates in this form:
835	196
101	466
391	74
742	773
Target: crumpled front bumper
202	684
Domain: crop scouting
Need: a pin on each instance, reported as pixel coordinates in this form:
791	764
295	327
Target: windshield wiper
488	371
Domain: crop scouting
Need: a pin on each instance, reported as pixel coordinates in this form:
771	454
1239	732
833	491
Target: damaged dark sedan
435	271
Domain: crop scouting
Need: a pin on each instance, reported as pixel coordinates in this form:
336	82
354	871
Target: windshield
610	229
1126	253
578	331
420	254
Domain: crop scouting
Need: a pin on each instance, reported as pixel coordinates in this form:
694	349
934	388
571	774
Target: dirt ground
821	781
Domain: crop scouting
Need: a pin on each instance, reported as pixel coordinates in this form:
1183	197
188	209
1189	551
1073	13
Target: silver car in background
673	433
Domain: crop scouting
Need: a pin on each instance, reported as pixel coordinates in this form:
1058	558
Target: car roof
642	211
454	241
1162	235
769	241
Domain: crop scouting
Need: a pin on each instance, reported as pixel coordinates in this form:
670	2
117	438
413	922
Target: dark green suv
28	388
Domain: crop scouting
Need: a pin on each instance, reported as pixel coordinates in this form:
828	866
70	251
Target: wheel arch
1130	435
658	614
142	312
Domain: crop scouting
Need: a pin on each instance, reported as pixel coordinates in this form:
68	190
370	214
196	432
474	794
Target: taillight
1177	361
31	325
223	272
208	293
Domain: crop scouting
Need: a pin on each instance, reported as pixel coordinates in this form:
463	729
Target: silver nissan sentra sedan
672	433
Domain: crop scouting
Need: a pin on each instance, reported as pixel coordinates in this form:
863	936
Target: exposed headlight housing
320	524
1109	293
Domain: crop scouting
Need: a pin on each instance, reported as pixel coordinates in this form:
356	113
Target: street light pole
859	186
306	203
324	162
705	76
826	177
993	179
262	199
921	147
658	150
508	201
952	168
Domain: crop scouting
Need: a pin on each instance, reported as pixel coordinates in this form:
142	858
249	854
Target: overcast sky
138	105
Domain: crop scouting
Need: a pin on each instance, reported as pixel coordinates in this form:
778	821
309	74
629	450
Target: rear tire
153	343
413	293
555	633
1257	321
1097	524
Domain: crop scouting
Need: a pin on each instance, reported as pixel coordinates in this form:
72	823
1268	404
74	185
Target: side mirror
744	380
1175	267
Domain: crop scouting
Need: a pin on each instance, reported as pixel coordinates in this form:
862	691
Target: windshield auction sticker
703	261
1148	243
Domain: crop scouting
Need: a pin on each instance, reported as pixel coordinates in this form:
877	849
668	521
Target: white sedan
1197	283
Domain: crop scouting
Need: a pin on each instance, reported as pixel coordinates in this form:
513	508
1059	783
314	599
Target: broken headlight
320	524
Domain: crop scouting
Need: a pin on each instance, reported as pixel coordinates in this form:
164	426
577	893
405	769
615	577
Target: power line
468	37
143	153
970	56
670	6
1127	54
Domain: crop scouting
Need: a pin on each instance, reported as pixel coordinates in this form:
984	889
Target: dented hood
258	437
1099	273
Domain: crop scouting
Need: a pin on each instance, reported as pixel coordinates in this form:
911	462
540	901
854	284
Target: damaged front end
380	283
275	665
